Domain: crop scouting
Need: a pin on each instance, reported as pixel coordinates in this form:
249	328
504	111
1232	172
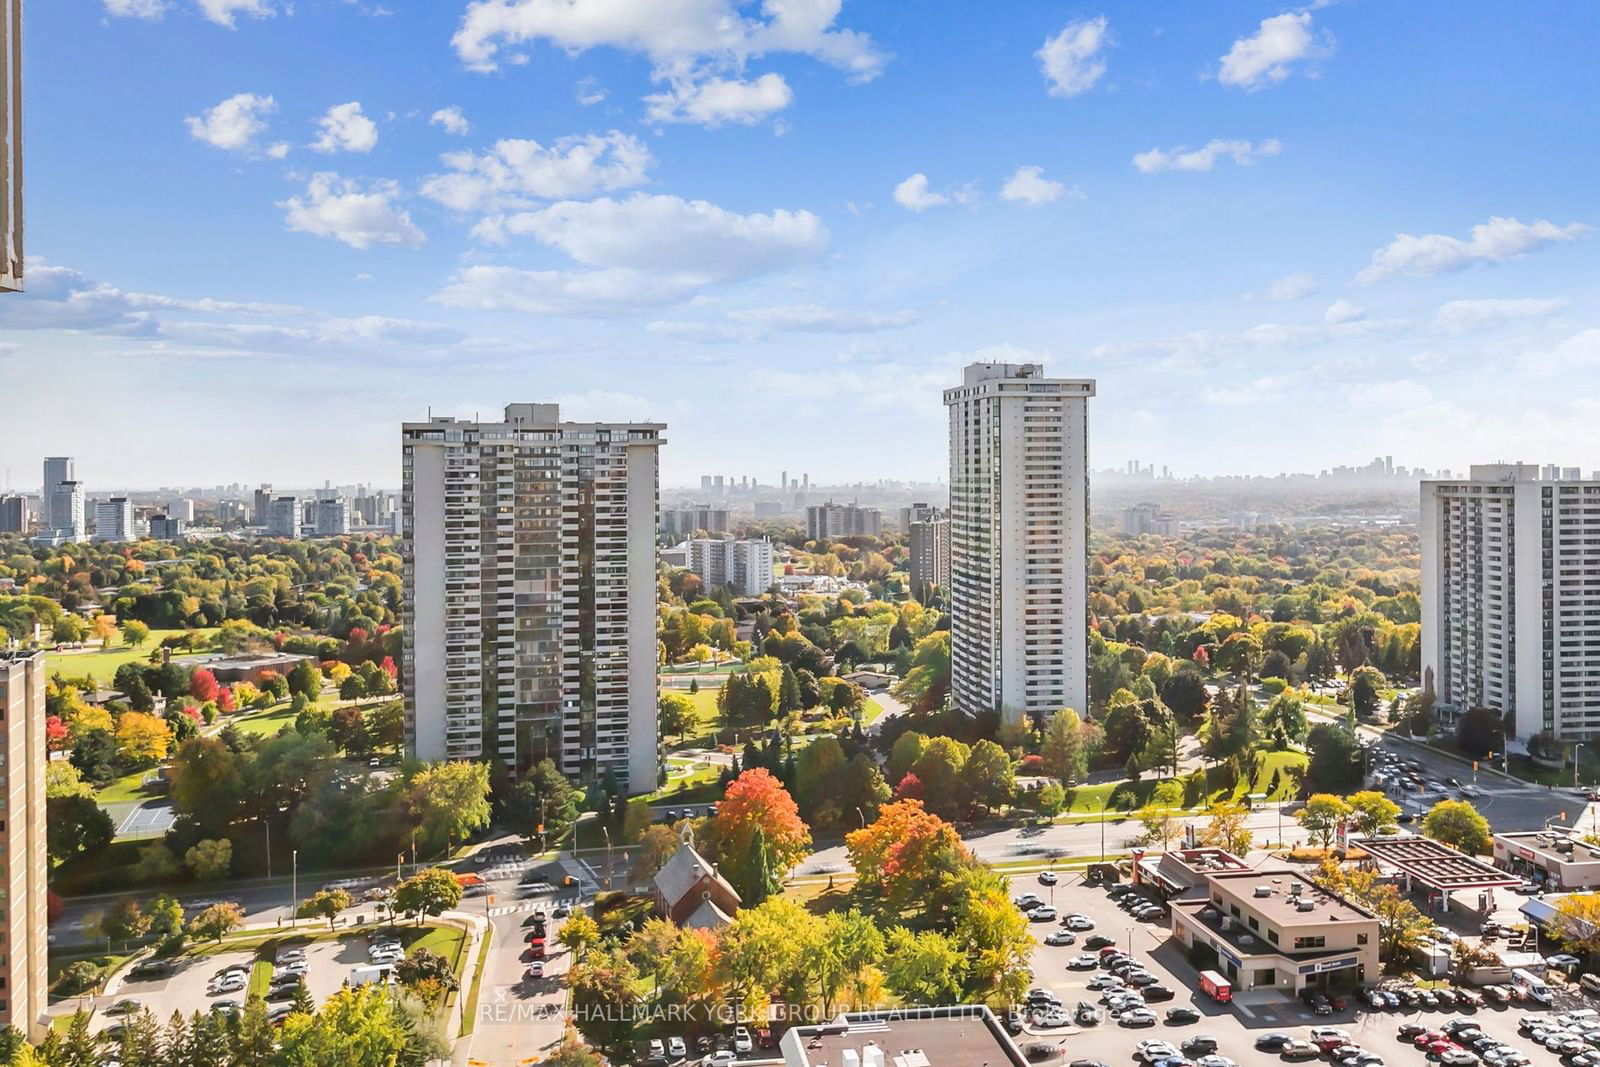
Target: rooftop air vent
1263	891
1306	905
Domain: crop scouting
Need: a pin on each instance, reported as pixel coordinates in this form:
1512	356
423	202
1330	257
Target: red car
536	948
764	1038
1428	1037
1330	1042
1438	1048
1337	1000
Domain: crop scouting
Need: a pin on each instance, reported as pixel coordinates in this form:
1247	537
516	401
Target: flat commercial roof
1283	905
928	1037
1435	865
1545	844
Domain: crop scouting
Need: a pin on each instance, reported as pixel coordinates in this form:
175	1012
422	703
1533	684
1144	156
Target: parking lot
1235	1027
192	983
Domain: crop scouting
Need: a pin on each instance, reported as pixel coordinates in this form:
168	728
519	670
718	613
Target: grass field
124	790
469	1010
103	663
262	723
1128	796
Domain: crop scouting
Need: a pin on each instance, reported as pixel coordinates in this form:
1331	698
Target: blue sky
263	233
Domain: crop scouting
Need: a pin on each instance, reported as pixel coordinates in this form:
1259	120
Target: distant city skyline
784	240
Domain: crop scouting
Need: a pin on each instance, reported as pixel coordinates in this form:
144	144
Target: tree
1372	814
902	856
544	798
166	917
987	776
347	728
124	921
386	724
1335	757
655	847
1228	827
940	771
605	997
428	892
1363	691
573	1054
448	801
757	801
203	685
1321	816
217	921
1285	720
926	968
1480	732
675	715
324	904
75	825
142	738
135	633
1185	693
352	687
1577	923
94	753
306	680
579	933
1063	748
1052	800
428	974
905	753
1458	824
210	859
363	1025
207	783
1160	824
68	629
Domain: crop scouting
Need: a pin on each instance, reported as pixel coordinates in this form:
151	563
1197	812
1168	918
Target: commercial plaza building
1019	502
1510	587
530	592
1274	928
23	949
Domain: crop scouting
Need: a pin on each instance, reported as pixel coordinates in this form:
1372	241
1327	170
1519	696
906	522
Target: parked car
1098	941
1199	1044
1047	878
1138	1017
742	1041
1084	961
1156	993
1059	937
1299	1050
1044	913
1177	1016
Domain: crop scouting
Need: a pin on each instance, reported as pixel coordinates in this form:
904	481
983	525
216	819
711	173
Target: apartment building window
1309	942
1361	939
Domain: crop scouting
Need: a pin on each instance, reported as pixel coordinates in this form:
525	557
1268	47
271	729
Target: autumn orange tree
760	834
904	856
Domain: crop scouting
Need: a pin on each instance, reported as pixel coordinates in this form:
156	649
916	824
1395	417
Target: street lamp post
1576	748
294	886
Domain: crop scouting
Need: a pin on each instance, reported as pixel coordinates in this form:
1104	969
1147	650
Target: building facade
261	505
1275	929
331	516
688	521
113	520
1510	580
1019	505
743	565
11	261
167	527
1148	519
16	516
62	496
23	948
830	520
530	592
929	552
283	517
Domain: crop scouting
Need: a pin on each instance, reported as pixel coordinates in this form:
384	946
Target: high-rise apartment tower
23	852
530	592
1019	501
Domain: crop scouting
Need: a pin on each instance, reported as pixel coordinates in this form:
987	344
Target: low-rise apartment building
1275	929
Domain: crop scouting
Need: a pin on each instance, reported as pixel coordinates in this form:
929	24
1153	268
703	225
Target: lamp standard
294	886
1576	748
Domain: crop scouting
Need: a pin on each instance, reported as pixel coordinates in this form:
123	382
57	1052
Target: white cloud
136	9
590	92
813	318
60	298
339	208
1289	287
1342	311
514	172
1494	241
675	34
1256	391
452	120
714	101
645	251
1071	60
1029	186
1460	316
345	129
1266	57
1243	153
749	325
223	12
913	194
1580	351
234	124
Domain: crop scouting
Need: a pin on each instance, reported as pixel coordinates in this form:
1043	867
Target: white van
1590	984
1532	985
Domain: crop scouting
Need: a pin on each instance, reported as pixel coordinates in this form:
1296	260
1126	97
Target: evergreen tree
789	692
301	1001
141	1042
254	1040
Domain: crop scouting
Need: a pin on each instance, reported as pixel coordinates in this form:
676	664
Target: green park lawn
1128	796
103	663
